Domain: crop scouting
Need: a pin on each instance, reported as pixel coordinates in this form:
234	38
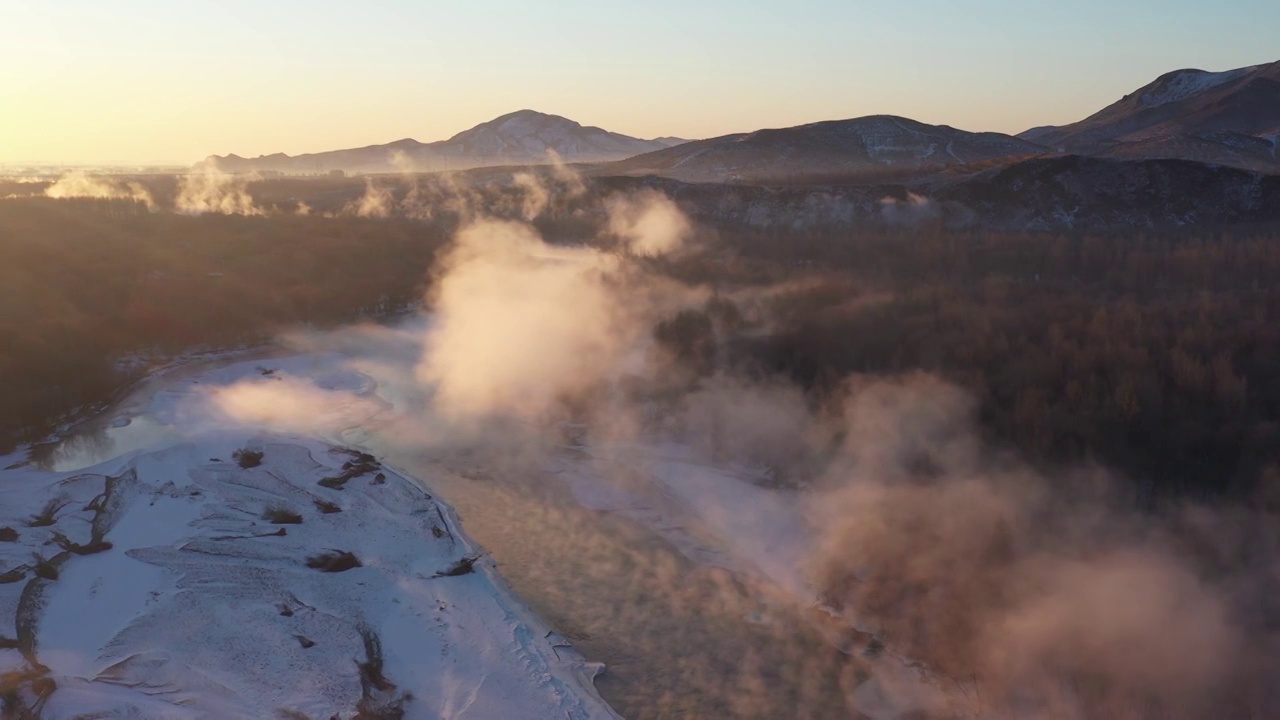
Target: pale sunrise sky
172	82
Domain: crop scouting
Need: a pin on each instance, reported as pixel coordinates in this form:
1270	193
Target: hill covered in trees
1155	355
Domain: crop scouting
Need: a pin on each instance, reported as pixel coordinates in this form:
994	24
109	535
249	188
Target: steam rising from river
521	325
210	191
203	191
962	582
79	184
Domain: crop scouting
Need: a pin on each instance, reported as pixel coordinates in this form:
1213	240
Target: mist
648	222
502	361
910	212
376	202
961	580
79	184
1038	596
210	191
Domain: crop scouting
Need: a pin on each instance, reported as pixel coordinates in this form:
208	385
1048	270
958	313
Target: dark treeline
87	283
1157	356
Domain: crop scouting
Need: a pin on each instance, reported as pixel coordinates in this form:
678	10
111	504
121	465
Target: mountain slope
875	147
526	136
518	138
1230	117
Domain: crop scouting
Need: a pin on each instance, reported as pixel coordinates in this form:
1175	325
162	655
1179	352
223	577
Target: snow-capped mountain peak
1181	84
527	133
518	138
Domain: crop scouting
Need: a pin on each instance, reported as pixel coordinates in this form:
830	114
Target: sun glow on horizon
153	83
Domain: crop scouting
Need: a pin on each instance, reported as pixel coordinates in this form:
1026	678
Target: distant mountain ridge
1227	118
875	147
518	138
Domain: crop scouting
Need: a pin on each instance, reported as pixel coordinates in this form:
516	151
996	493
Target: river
646	586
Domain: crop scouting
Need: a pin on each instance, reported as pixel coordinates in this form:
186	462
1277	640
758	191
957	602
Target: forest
87	286
1156	354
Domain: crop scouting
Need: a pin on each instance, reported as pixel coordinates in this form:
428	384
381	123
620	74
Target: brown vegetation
247	458
1158	356
362	463
48	515
281	516
46	568
87	283
93	547
326	507
378	697
464	566
333	561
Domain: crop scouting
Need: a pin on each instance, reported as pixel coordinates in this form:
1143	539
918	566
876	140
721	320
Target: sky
173	82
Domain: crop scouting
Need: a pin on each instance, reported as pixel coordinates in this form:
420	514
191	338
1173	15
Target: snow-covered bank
683	574
192	577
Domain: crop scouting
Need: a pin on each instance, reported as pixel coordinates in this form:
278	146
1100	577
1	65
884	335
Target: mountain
1228	118
519	138
868	148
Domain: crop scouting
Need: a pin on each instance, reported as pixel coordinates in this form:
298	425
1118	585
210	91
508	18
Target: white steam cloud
520	325
290	404
79	184
1031	600
210	191
376	202
649	223
911	212
536	197
970	584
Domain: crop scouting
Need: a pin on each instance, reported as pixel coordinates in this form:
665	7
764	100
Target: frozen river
682	577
